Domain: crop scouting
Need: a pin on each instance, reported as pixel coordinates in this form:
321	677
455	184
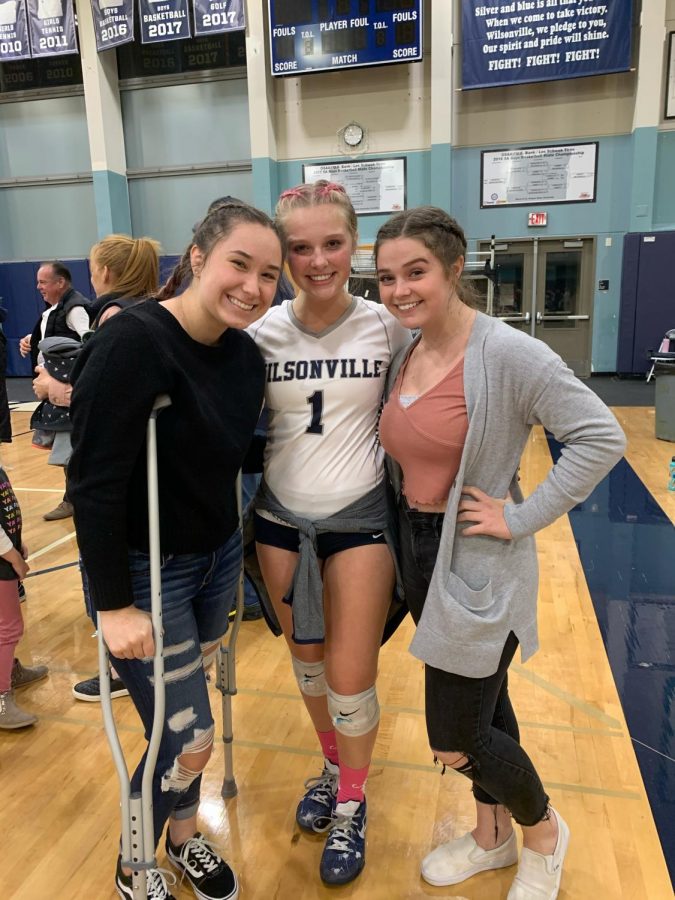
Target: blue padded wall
25	306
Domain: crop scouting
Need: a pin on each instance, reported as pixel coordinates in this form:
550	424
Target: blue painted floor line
626	544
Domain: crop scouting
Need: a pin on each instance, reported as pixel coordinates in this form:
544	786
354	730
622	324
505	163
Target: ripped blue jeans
198	592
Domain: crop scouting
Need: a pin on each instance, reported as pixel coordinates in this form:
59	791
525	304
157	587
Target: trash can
664	400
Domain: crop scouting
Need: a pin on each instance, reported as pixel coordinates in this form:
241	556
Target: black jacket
57	325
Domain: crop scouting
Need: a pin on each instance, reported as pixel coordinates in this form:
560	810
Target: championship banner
113	22
214	16
52	27
164	20
543	40
13	30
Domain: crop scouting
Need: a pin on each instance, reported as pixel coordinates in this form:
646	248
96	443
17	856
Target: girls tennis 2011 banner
543	40
52	27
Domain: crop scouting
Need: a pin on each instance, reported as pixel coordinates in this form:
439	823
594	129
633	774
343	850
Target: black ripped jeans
470	716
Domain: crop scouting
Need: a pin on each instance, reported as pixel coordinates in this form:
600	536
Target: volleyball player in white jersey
323	494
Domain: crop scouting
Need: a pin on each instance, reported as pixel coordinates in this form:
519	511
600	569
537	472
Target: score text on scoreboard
319	35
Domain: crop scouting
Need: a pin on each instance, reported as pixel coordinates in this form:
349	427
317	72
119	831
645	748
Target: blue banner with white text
113	22
543	40
164	20
52	27
215	16
13	30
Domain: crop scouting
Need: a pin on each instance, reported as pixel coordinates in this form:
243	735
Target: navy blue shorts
287	538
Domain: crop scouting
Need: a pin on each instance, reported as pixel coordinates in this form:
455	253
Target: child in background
13	568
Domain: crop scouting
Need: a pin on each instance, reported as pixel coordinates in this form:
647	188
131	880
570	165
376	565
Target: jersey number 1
316	402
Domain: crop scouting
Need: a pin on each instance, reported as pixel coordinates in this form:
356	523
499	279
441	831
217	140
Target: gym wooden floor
60	791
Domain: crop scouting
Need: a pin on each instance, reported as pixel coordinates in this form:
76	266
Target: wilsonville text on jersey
324	368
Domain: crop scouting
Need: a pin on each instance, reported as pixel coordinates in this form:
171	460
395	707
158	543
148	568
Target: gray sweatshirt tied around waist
367	515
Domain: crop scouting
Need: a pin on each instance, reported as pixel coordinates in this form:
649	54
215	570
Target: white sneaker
460	859
538	876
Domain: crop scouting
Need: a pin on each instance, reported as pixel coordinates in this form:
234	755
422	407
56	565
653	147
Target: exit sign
537	220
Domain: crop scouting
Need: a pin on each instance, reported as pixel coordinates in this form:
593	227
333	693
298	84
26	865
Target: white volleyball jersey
324	393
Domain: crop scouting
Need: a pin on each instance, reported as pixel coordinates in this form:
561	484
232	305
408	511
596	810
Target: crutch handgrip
161	402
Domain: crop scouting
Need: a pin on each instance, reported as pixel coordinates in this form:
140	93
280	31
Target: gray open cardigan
483	587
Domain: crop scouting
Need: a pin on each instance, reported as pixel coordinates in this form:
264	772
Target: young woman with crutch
192	348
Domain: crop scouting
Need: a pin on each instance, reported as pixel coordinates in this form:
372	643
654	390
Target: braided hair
317	193
438	231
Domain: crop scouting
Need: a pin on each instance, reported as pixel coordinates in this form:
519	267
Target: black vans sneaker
156	881
90	689
208	873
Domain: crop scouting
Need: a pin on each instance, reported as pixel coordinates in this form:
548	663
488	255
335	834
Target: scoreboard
320	35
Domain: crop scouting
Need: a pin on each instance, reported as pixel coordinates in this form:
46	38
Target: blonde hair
317	194
133	263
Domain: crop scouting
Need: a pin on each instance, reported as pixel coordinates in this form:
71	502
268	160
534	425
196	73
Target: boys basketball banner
13	30
113	22
52	27
213	16
164	20
543	40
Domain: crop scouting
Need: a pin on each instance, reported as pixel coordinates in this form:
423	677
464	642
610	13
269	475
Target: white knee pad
311	677
354	714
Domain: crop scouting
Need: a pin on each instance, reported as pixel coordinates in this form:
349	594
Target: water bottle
671	479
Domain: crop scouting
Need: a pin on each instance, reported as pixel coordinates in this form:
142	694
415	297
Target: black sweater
216	395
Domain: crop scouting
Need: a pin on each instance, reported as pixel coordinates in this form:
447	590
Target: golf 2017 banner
543	40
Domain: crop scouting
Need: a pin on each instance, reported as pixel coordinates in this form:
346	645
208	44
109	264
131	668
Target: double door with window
545	287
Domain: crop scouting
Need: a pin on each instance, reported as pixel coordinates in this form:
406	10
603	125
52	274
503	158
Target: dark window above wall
197	54
40	74
63	74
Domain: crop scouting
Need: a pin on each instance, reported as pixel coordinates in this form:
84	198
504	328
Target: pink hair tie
291	192
331	186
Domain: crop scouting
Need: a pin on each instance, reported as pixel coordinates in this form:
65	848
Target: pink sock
329	745
352	784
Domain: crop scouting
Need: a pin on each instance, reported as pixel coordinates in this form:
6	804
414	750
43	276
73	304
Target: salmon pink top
426	434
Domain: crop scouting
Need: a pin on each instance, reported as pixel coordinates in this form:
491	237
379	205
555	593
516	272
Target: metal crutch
226	681
138	838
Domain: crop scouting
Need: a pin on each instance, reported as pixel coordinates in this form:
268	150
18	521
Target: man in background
66	315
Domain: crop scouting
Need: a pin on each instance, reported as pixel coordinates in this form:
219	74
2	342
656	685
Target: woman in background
124	271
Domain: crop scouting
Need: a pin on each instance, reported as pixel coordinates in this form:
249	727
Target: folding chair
665	353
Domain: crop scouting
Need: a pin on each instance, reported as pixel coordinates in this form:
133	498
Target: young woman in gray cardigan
461	403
